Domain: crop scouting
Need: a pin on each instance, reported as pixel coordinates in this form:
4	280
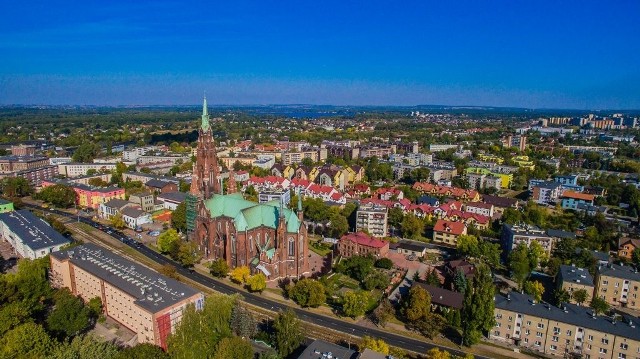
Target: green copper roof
248	215
205	116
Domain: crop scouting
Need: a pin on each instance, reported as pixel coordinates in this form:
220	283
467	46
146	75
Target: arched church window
292	247
252	245
300	245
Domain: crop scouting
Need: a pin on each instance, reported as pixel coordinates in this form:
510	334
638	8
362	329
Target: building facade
144	301
619	285
30	236
362	244
372	218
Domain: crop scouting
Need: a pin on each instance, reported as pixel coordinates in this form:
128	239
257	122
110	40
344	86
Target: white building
135	217
75	169
373	219
30	236
171	200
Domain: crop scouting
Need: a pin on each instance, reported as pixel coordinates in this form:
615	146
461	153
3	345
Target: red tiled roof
364	239
578	195
456	228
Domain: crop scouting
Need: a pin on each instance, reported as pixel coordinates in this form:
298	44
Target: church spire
205	115
231	184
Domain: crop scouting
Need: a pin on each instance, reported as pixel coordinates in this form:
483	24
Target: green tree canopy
168	240
288	335
59	195
70	316
179	218
477	314
307	293
355	303
233	347
219	268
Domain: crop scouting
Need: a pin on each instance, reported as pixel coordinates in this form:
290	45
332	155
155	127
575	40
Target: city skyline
573	55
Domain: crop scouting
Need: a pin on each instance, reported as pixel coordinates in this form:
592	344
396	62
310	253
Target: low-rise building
161	186
144	301
565	331
88	196
30	236
447	232
135	217
572	278
171	200
373	219
319	349
442	299
545	192
619	285
112	207
411	248
360	243
572	199
626	246
281	195
143	199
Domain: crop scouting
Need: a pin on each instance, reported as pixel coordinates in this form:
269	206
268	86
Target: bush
384	263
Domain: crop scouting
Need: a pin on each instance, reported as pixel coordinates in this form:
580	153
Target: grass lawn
319	248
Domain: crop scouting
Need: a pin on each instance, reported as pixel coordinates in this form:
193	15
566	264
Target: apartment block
30	236
146	302
619	285
75	169
569	331
572	278
289	158
373	219
515	235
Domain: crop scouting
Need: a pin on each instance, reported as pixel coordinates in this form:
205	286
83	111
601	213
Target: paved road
400	341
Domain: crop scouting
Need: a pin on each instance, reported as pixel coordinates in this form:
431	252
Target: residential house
442	300
112	207
411	248
571	199
447	232
135	217
485	209
161	186
360	243
626	246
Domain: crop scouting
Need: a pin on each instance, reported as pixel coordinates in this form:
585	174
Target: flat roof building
30	236
146	302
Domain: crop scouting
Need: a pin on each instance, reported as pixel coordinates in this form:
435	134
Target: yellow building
505	178
619	285
524	162
490	158
572	278
137	297
570	330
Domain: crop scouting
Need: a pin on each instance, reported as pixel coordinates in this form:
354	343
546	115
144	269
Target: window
556	330
553	347
528	322
510	318
624	346
539	334
496	333
499	316
590	337
292	247
605	341
540	326
554	339
498	325
605	282
537	343
622	356
527	332
603	351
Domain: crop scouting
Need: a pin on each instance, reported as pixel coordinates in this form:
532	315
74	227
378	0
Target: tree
467	245
179	218
599	305
288	335
12	315
59	195
383	313
535	289
16	187
86	152
28	340
376	280
142	351
477	313
242	322
167	240
233	347
338	225
396	216
430	325
307	293
412	227
357	267
417	304
384	263
562	296
97	182
460	281
188	254
536	254
117	221
169	271
635	256
432	278
240	274
354	304
69	316
88	347
307	162
377	345
580	296
257	282
95	306
436	353
520	265
219	268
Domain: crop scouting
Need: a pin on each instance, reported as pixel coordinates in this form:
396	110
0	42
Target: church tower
205	180
206	174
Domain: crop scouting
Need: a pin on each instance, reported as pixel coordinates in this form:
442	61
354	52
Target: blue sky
537	54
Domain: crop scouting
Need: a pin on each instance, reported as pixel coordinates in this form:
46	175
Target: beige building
135	296
618	285
76	169
372	218
572	278
570	330
289	158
